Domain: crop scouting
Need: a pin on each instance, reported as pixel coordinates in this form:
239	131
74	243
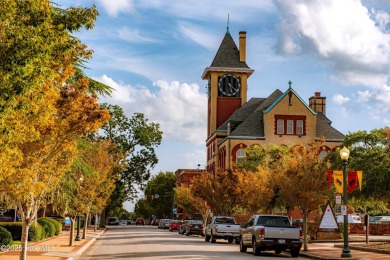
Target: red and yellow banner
354	177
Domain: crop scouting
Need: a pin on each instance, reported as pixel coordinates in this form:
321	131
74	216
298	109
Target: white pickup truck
222	227
270	232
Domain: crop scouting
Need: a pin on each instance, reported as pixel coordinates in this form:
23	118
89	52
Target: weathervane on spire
227	27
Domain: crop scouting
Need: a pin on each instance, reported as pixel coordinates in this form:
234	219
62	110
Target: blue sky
153	53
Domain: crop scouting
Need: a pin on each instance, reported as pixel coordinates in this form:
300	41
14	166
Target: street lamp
344	154
78	237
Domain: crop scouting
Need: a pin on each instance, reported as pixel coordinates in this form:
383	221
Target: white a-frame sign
328	220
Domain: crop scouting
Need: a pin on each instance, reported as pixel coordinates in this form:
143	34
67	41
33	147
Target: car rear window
224	221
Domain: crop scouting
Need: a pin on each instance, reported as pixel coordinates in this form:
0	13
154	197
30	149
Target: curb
87	245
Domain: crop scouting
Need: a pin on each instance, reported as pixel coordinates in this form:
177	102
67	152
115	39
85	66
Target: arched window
240	154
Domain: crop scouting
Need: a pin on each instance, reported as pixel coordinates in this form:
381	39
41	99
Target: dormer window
290	125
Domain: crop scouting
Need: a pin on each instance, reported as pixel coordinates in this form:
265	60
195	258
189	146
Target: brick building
282	118
235	123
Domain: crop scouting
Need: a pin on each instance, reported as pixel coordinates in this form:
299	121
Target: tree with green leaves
137	139
369	153
162	184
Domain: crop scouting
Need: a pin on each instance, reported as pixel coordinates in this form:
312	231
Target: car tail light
216	228
300	232
261	232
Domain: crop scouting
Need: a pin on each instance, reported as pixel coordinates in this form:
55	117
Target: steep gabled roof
254	124
242	113
282	96
228	54
250	116
324	129
249	122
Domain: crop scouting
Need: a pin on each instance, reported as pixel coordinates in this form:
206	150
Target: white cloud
364	96
179	108
208	9
347	38
134	36
383	19
195	159
340	99
114	7
199	35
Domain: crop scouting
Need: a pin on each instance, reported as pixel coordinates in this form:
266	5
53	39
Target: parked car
167	222
194	227
351	219
175	225
161	223
154	222
380	220
140	221
270	233
182	228
222	227
113	221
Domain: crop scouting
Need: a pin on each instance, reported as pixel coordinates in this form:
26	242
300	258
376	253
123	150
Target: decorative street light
78	237
344	154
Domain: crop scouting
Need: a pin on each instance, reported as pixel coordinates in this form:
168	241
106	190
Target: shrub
49	228
36	232
5	237
57	224
15	228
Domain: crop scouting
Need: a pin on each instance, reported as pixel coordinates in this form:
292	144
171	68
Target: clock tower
227	87
227	81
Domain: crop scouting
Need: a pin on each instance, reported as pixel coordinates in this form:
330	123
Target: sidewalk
55	248
329	252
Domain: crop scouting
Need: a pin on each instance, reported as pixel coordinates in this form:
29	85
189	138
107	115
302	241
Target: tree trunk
103	218
95	224
304	215
71	234
85	226
24	240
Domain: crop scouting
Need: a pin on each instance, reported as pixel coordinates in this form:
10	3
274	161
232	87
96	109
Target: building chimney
318	103
242	46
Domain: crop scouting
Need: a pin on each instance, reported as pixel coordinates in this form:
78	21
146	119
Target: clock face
229	85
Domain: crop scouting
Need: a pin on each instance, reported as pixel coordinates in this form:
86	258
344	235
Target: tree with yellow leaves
42	112
192	204
301	177
60	117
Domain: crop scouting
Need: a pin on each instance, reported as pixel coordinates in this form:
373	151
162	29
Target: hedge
35	232
5	237
57	224
49	229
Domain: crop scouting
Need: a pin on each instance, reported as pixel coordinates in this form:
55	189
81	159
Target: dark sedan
194	227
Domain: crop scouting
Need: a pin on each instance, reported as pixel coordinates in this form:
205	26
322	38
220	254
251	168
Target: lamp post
344	154
78	237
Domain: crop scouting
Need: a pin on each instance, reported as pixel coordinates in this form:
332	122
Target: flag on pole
360	179
338	180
